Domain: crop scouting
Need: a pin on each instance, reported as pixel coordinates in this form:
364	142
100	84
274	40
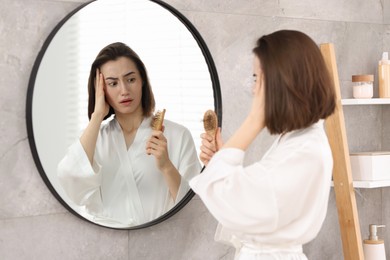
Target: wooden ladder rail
342	177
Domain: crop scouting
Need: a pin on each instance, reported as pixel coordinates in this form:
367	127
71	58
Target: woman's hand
89	137
254	122
209	147
101	106
158	147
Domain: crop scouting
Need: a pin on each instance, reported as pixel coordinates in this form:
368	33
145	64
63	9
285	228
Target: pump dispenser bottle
384	76
373	247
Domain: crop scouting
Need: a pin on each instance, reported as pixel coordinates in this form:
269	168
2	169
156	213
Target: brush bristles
210	122
158	120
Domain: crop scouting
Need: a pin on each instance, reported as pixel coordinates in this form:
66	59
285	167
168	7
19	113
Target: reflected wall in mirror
183	79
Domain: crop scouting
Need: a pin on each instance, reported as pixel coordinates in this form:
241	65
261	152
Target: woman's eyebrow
127	74
111	78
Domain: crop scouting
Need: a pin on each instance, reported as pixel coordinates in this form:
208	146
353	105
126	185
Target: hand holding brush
211	139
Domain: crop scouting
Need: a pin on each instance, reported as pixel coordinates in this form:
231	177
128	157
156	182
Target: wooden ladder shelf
342	177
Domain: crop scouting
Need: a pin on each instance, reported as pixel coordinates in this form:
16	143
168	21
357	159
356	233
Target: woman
270	208
120	169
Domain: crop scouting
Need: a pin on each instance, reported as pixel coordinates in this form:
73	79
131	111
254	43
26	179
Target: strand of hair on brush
158	120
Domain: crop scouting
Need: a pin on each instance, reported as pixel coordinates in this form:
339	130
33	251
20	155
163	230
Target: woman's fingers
207	137
206	154
158	147
204	158
101	105
157	143
208	147
207	151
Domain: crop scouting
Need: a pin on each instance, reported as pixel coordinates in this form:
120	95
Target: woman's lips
126	101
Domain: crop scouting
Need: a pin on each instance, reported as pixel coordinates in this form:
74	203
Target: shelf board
370	184
365	101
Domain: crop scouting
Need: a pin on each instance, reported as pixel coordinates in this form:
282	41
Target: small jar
363	86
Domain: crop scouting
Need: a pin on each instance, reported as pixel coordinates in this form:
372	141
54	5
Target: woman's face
123	85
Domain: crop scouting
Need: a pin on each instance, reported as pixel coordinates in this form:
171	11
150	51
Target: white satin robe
269	209
125	186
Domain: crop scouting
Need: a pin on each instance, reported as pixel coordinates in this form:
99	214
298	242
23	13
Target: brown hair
298	87
113	52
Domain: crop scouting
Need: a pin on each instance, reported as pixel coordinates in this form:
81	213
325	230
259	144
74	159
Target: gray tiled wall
33	225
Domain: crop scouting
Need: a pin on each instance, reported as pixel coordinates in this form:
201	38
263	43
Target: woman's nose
124	88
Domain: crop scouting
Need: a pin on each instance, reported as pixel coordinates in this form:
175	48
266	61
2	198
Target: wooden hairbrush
210	123
158	120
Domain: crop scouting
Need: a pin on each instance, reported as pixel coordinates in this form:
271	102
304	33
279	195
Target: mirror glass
180	68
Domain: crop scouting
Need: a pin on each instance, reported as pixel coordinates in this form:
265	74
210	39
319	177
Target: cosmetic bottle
373	247
384	76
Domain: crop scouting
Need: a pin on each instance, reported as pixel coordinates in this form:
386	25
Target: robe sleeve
79	179
230	196
264	196
189	165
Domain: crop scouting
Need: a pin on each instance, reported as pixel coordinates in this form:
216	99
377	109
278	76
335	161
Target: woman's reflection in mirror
120	169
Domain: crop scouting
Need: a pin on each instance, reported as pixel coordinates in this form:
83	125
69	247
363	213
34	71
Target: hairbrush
210	122
158	119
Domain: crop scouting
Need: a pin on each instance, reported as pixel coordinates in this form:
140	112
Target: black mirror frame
29	103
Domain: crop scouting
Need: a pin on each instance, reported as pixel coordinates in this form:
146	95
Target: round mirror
181	71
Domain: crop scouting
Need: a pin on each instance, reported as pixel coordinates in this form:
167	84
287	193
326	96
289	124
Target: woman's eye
112	84
131	80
